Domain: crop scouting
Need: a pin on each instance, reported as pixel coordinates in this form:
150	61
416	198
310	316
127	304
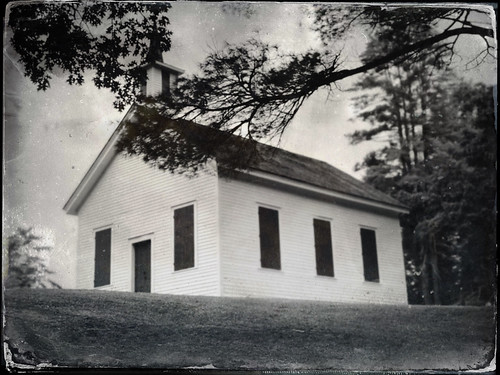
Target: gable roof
270	160
316	172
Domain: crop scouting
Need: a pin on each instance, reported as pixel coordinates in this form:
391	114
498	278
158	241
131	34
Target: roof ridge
301	168
340	174
284	163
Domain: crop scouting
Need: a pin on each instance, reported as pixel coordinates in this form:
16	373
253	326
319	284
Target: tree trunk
428	300
405	145
425	126
436	279
399	124
412	112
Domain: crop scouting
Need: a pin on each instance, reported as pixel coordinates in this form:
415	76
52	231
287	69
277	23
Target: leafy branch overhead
111	39
252	89
256	87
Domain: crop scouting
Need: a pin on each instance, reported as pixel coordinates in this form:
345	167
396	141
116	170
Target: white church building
288	227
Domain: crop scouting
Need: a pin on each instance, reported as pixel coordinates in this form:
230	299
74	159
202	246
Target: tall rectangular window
269	238
143	88
165	82
102	269
184	238
369	247
323	246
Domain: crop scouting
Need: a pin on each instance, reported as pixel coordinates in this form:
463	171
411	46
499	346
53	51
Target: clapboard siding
137	202
153	86
240	252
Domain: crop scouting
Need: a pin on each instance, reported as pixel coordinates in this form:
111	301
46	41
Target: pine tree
26	263
440	162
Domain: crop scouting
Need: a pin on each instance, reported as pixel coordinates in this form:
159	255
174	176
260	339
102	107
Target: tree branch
401	52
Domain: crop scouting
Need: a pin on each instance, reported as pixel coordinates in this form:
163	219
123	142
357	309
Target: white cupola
161	77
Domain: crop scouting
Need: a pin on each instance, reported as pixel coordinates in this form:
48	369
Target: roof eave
163	65
96	169
366	202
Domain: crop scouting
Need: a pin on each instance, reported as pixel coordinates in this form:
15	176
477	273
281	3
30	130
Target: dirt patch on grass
116	329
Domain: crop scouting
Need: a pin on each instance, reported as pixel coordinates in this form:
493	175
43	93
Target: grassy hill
115	329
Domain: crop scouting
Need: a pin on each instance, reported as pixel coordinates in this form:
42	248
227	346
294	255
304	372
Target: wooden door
142	255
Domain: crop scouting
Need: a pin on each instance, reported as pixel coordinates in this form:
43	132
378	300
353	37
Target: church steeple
161	77
154	53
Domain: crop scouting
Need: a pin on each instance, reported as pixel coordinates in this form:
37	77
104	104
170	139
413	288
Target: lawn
79	328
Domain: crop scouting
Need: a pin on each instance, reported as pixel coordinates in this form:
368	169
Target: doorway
142	273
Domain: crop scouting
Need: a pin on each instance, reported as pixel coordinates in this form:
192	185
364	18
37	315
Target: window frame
277	210
195	236
329	221
165	82
363	262
94	232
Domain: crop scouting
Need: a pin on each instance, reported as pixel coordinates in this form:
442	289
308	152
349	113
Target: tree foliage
440	161
111	39
410	27
463	188
26	263
253	89
438	144
182	146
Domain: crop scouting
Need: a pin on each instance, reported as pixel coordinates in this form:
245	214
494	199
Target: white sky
51	138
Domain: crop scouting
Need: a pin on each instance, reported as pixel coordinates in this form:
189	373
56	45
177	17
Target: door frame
131	242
